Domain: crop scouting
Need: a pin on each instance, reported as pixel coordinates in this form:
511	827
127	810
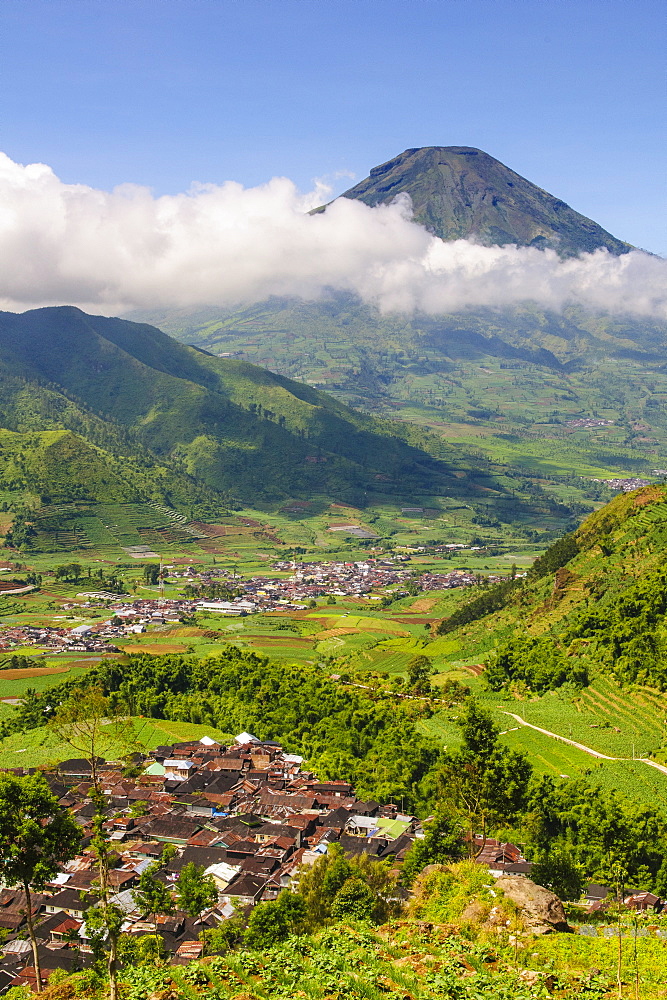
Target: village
370	580
249	815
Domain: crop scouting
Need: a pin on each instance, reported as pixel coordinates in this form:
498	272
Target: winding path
580	746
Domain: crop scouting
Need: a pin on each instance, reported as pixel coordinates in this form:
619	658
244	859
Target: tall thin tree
90	726
36	837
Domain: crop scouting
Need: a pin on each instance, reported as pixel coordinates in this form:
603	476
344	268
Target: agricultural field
644	959
345	635
619	722
127	533
15	683
635	779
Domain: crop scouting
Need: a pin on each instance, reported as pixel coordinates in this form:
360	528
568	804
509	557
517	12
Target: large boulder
541	910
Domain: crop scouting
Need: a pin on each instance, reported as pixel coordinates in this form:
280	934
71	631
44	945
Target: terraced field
15	686
612	720
636	780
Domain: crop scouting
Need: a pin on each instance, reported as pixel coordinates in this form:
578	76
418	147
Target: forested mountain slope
595	603
224	424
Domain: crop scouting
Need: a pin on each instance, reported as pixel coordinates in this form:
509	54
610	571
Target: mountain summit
459	192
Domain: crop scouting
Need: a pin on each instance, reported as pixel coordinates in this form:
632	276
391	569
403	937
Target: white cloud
228	245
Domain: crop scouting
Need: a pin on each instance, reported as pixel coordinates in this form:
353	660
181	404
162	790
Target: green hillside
151	417
551	397
577	649
591	605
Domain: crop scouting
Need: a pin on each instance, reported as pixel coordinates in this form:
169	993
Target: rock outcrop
541	910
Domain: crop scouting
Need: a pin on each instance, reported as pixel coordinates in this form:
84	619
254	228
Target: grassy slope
622	722
42	748
521	372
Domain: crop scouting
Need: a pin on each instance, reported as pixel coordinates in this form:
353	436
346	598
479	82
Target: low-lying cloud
227	245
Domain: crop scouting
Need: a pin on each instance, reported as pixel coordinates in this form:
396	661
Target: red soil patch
15	675
412	620
473	668
210	529
649	496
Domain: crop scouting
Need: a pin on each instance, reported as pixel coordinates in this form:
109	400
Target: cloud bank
227	245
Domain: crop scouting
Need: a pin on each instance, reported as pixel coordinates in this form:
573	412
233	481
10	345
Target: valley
364	633
422	553
471	380
511	453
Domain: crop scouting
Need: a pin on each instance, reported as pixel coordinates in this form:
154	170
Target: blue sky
167	92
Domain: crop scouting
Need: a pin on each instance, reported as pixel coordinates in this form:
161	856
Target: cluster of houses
457	578
626	485
53	638
249	815
306	581
352	579
588	423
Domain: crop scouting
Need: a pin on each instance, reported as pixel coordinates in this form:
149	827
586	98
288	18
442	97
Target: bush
354	900
443	893
560	553
537	662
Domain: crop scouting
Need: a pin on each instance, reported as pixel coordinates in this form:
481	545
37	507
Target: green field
612	720
42	748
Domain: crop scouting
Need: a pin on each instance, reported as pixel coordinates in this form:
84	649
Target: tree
599	829
226	935
337	873
195	891
355	899
420	669
559	871
661	880
275	920
36	836
152	895
92	727
442	842
321	884
267	926
22	532
483	782
87	722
